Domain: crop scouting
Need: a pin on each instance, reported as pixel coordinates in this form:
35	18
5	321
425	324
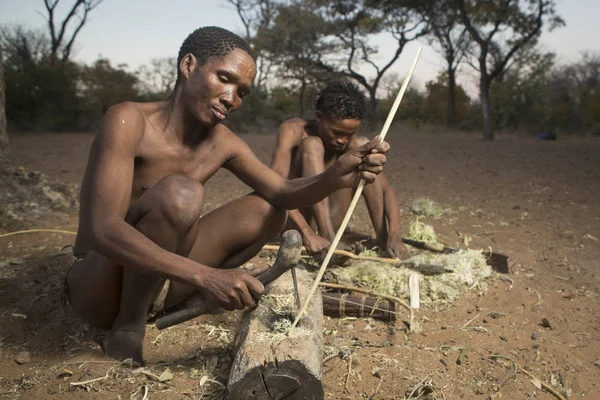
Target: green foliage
103	85
435	103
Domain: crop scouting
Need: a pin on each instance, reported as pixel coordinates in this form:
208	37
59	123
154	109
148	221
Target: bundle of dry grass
428	208
469	271
422	232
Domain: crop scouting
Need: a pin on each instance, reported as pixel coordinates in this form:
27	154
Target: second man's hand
362	163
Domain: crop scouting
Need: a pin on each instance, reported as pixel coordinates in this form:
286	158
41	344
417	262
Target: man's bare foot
123	345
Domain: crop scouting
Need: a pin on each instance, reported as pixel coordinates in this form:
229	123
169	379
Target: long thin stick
359	189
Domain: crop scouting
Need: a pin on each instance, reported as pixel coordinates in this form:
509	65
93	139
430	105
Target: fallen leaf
553	380
65	373
536	383
546	323
167	375
203	380
375	371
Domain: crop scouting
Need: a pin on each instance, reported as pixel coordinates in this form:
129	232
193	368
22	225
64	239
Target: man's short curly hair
210	41
340	100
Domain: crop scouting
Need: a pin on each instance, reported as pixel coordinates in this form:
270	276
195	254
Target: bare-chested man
307	148
142	197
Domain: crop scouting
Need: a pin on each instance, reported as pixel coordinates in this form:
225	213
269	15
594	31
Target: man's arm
112	172
363	163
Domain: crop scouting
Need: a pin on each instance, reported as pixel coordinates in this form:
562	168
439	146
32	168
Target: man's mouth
219	113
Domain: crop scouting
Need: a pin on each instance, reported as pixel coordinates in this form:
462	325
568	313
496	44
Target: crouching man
143	192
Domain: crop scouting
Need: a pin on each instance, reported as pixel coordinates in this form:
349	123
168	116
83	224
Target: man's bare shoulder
123	124
226	138
293	124
292	131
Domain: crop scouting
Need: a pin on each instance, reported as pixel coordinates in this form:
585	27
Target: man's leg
230	236
109	296
374	198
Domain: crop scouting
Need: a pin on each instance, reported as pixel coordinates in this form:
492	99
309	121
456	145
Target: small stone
535	336
536	346
504	338
23	357
495	315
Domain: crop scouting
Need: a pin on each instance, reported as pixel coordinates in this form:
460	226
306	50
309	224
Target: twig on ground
349	372
518	368
544	385
469	321
82	383
376	389
329	357
539	303
463	353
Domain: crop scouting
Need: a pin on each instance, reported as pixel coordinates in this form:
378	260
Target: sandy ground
535	201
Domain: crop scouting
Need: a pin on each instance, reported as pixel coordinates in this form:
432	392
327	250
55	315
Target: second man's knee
312	145
182	199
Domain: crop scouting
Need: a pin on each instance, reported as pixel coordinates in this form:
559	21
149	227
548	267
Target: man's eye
223	78
241	94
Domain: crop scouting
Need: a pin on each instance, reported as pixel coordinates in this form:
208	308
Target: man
142	196
306	148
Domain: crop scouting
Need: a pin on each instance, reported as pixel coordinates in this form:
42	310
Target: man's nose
230	100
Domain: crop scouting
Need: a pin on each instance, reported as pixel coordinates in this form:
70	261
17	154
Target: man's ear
187	65
318	115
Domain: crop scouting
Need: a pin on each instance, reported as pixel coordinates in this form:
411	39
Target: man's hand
315	243
234	289
365	162
396	248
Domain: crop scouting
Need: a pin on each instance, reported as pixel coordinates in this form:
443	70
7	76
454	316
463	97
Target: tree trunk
451	98
270	364
301	98
486	106
4	148
372	110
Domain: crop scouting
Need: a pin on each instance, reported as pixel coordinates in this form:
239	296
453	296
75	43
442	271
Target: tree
41	94
295	40
103	85
61	41
435	105
4	146
158	80
355	24
255	16
451	40
500	28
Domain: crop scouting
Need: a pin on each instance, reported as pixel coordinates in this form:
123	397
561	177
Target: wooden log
344	305
268	363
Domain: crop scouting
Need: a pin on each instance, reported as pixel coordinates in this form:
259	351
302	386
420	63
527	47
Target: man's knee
311	146
181	198
356	142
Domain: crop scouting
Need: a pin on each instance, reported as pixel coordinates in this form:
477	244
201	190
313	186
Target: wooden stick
345	254
93	380
356	197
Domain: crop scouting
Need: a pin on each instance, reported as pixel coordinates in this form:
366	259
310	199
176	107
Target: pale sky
135	31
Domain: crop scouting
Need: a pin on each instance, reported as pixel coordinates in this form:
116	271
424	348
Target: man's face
218	87
336	134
